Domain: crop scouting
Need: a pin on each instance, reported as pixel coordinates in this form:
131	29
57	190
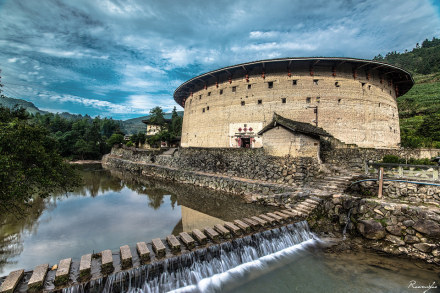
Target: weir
189	259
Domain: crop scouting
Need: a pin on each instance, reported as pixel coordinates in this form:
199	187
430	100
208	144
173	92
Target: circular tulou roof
399	76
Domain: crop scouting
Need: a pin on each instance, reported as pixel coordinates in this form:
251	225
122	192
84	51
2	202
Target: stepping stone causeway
201	238
234	229
143	251
107	261
282	215
260	221
11	281
62	274
85	266
245	227
37	279
268	219
222	230
277	218
125	256
254	224
187	240
158	247
173	243
212	234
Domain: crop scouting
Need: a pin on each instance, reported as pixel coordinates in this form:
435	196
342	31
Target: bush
129	144
391	159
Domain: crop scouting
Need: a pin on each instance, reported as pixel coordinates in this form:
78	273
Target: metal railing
419	172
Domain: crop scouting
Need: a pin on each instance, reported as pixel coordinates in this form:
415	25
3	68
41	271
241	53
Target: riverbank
393	225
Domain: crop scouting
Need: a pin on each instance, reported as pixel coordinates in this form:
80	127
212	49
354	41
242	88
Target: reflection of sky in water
82	224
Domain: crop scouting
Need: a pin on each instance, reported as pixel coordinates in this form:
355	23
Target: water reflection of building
192	219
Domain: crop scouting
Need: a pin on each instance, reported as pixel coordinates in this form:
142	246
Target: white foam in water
215	282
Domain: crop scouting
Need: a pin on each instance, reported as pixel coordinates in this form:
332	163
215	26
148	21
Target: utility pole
315	110
1	85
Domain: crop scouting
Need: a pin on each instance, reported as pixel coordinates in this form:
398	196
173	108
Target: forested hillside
419	109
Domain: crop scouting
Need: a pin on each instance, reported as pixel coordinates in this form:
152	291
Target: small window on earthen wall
221	92
308	100
234	89
203	110
260	102
315	81
207	108
209	93
249	86
339	101
243	103
337	84
294	82
318	99
270	84
283	100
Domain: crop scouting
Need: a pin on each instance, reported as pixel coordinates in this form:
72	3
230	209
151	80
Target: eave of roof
399	75
295	126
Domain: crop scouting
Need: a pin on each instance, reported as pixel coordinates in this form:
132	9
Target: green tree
157	116
30	164
115	138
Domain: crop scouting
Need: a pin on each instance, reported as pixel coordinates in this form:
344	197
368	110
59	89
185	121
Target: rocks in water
424	247
371	229
395	240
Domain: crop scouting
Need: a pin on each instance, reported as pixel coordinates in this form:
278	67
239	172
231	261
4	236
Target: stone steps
127	258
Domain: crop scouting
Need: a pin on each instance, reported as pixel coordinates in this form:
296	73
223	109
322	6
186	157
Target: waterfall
204	269
346	225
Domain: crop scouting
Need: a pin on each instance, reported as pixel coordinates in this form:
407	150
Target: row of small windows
270	85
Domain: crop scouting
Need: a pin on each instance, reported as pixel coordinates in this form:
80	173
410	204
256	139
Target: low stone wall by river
402	191
243	163
395	228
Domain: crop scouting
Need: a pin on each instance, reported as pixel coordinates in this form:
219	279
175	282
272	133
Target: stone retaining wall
395	228
355	158
268	193
243	163
403	191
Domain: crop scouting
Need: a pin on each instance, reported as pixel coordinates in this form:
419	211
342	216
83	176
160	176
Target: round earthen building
354	100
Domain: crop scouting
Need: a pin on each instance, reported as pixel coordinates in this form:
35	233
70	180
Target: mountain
11	103
422	102
129	126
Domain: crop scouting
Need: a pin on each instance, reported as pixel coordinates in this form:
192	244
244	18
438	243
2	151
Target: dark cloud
120	58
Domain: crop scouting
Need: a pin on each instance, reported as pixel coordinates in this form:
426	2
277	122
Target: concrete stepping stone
212	234
107	262
158	247
277	218
291	213
282	215
85	266
11	282
299	213
187	240
173	243
222	230
267	219
201	238
231	227
62	274
243	226
302	209
143	251
36	281
260	221
126	257
254	224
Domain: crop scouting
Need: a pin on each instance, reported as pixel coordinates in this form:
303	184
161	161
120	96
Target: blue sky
120	58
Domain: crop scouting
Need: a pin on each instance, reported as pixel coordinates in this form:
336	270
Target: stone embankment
404	222
69	273
392	227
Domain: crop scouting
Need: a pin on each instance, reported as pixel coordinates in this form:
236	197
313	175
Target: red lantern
263	75
245	129
250	129
216	84
230	80
239	129
247	77
206	86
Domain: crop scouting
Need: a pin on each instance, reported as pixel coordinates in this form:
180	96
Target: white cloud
12	60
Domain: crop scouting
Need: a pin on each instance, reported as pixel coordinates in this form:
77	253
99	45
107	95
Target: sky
120	58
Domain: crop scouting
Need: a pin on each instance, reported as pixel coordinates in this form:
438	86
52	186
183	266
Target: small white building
282	137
